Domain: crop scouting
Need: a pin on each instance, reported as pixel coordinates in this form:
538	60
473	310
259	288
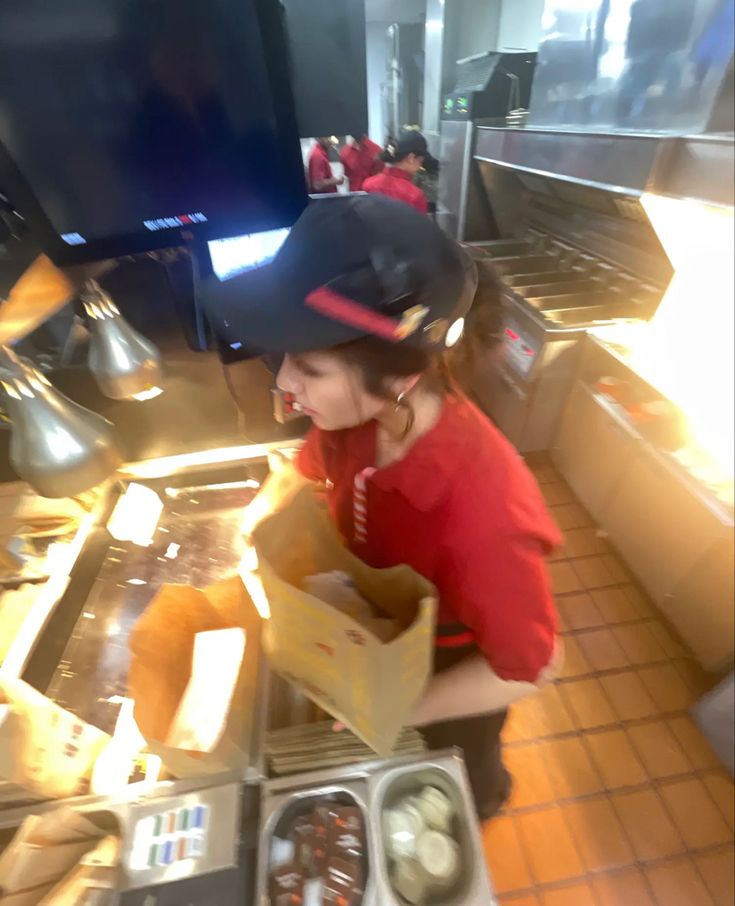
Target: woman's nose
287	377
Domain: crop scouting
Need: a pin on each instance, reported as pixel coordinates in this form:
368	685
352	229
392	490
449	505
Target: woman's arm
321	184
471	687
277	491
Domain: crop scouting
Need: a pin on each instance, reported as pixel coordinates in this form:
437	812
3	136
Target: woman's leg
479	739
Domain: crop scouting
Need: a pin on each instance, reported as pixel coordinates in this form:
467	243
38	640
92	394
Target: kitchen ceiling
395	10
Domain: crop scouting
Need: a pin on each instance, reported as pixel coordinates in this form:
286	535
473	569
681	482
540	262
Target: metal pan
516	281
571	300
537	290
584	316
446	772
525	264
278	808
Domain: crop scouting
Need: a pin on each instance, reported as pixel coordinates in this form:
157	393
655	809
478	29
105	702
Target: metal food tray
373	786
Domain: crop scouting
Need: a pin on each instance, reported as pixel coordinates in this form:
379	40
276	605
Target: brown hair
443	371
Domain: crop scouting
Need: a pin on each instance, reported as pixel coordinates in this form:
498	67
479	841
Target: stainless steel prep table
81	657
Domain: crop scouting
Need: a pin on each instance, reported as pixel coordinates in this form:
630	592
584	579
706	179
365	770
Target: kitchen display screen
128	124
234	256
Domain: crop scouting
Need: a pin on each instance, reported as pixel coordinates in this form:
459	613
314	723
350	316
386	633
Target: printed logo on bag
357	638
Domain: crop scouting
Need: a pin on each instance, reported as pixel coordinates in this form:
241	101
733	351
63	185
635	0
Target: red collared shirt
463	510
319	168
360	161
396	183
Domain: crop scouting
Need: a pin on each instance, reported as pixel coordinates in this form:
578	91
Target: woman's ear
404	385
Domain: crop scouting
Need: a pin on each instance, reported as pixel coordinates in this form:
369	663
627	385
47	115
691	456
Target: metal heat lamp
57	446
125	365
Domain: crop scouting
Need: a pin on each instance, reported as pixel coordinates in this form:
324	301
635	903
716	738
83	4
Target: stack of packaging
61	858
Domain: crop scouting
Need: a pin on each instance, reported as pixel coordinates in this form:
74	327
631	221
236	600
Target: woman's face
329	390
413	163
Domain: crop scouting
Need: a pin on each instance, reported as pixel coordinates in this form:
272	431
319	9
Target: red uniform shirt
319	168
462	510
360	162
398	184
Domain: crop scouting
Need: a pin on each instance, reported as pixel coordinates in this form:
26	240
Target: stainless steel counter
110	585
76	650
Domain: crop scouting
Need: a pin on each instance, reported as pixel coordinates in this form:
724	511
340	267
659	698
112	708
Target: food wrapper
45	749
49	850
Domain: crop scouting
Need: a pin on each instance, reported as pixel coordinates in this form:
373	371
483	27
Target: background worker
403	158
361	159
321	179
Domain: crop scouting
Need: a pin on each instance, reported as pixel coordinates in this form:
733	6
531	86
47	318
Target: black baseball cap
411	141
351	267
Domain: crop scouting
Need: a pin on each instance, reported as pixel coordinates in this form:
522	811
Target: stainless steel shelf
700	167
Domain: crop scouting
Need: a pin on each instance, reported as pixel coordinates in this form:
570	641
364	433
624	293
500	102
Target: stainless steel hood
629	98
698	166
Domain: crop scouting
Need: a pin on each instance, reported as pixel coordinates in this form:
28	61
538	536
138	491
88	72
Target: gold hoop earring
402	405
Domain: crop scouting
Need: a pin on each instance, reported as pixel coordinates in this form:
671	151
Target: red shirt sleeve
310	459
492	575
347	157
319	169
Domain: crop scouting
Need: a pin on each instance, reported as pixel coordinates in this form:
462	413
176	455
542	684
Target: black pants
479	739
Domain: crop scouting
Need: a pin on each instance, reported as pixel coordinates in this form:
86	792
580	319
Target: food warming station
74	647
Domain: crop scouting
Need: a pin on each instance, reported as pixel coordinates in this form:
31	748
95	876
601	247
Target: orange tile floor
618	799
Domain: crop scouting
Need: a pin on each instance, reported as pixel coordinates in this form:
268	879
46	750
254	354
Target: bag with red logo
44	749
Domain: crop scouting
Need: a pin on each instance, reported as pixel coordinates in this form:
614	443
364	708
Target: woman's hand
279	488
282	484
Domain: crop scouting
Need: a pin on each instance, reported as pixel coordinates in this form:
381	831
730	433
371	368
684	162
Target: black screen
327	44
128	122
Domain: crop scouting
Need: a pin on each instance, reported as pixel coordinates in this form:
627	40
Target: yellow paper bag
369	685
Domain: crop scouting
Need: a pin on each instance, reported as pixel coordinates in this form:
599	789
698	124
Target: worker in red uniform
321	178
404	158
361	159
364	302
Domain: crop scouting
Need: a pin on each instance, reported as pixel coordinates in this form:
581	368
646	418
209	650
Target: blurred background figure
654	55
321	179
405	157
361	159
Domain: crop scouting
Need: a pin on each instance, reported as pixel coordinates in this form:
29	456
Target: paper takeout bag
59	852
369	685
181	650
45	749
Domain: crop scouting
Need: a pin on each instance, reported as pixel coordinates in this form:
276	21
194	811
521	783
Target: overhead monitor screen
131	124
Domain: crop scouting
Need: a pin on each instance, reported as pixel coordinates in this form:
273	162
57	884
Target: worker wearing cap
404	158
320	177
361	159
363	303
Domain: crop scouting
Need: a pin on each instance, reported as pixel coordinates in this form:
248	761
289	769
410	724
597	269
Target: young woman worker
363	302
